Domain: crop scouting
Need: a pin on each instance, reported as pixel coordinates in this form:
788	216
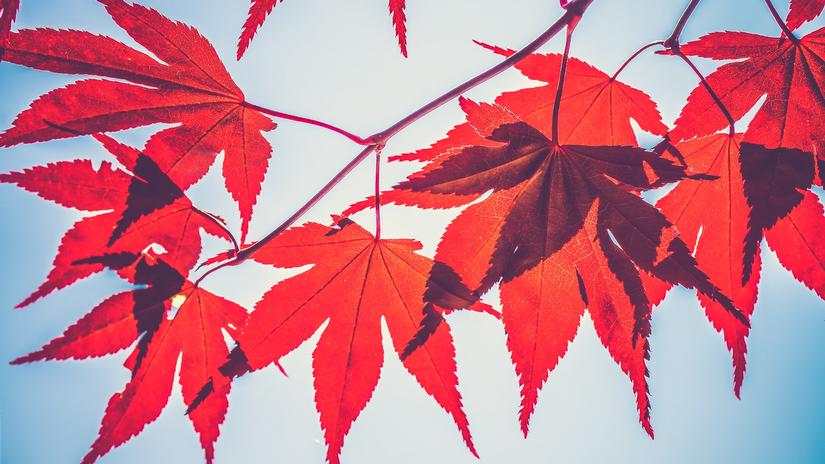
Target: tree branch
574	11
673	40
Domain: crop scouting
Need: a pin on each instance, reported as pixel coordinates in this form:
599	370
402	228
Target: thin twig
573	12
249	251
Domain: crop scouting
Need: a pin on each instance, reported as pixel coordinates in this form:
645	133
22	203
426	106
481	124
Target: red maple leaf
712	218
759	192
564	229
789	73
190	87
136	206
260	9
168	318
802	11
355	280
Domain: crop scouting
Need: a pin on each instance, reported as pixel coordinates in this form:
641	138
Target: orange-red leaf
355	280
712	218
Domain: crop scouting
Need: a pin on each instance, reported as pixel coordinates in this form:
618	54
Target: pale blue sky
338	61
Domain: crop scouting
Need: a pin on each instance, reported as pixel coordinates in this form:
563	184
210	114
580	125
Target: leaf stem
676	51
312	122
574	11
218	222
378	193
785	29
562	73
634	56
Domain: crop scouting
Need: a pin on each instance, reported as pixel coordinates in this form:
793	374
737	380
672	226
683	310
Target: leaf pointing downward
354	282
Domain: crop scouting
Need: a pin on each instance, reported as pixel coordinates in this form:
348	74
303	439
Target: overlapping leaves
135	205
765	174
563	228
190	87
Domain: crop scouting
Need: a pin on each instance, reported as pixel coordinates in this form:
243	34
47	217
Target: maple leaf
712	218
560	218
355	280
759	192
8	11
189	86
260	9
789	73
802	11
169	318
134	210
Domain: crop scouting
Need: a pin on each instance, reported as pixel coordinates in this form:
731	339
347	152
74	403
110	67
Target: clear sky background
338	61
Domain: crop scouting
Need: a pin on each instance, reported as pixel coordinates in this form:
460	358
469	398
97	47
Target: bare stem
562	74
785	30
673	40
634	56
312	122
708	88
574	11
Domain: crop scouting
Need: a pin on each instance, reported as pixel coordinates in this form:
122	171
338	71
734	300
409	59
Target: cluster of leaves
549	177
